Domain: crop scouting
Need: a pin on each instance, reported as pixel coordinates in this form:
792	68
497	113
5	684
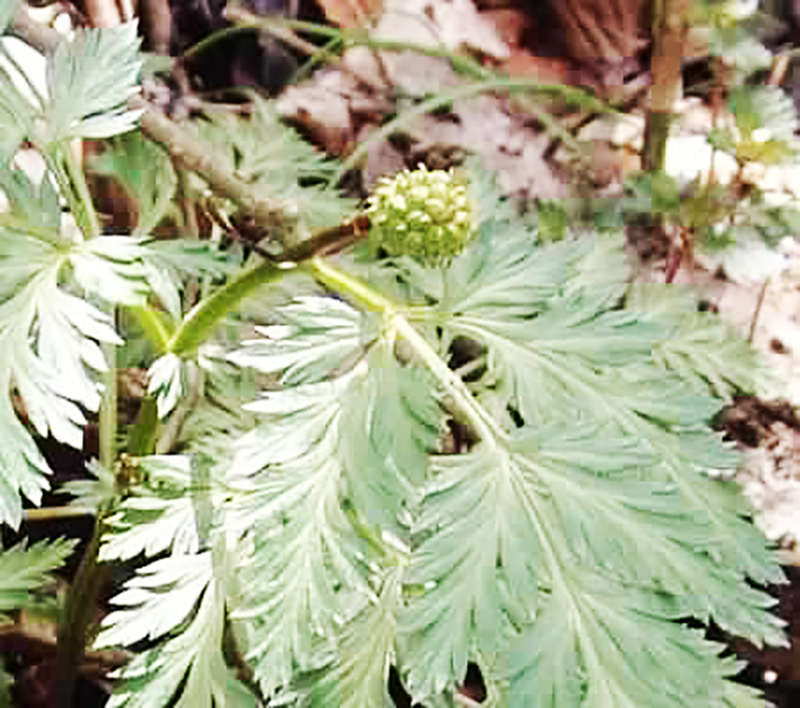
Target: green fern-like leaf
309	563
574	355
393	422
161	512
315	337
89	82
78	91
369	429
23	569
357	673
50	337
700	348
182	601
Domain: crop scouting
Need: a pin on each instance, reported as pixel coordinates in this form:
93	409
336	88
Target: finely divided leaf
90	80
394	421
605	645
504	277
617	484
308	558
702	349
23	468
475	569
49	337
165	592
182	600
23	569
316	337
161	513
111	267
364	436
358	673
545	667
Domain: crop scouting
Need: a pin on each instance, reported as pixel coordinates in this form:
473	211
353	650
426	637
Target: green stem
42	233
78	612
108	408
215	38
462	401
197	325
351	287
83	208
142	436
327	52
152	324
204	316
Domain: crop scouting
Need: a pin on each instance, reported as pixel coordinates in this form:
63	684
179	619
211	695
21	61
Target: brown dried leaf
351	13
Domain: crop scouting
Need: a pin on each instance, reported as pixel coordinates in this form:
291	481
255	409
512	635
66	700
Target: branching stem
207	314
462	401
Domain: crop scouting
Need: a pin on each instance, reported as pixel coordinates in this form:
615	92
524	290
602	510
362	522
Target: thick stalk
78	612
669	32
202	319
153	326
204	316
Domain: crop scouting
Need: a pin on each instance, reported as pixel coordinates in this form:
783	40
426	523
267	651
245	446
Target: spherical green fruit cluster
427	214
